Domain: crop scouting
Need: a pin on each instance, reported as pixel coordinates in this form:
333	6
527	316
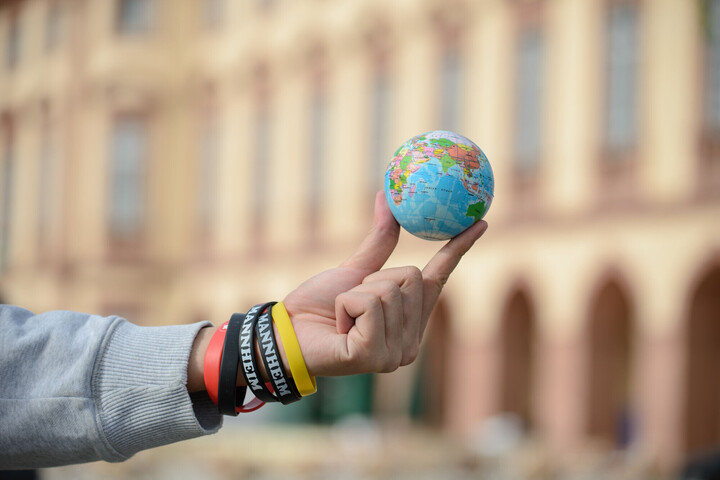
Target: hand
357	318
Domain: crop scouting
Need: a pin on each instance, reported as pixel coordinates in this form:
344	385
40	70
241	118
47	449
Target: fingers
376	313
380	242
410	283
379	323
386	315
438	270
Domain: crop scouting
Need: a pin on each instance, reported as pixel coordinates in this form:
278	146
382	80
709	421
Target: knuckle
370	278
339	300
368	366
436	284
397	361
442	279
392	363
411	354
380	364
390	290
413	274
374	302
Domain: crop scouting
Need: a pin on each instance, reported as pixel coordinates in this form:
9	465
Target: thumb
380	242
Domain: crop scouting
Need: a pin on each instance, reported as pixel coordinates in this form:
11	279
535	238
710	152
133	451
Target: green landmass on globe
438	184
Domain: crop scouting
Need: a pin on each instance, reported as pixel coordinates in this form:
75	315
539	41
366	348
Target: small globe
438	184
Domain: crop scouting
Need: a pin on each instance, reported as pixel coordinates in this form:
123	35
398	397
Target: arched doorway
610	342
517	333
428	402
702	406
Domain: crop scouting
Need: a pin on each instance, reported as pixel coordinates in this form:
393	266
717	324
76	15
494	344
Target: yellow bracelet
306	384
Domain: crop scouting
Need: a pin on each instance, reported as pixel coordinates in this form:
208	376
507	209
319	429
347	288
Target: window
380	151
53	24
134	16
127	170
317	135
528	107
621	86
207	168
265	4
260	170
46	163
6	220
213	12
712	71
6	192
380	130
12	48
709	160
451	90
261	161
317	164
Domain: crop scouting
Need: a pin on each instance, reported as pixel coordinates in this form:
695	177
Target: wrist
261	366
195	370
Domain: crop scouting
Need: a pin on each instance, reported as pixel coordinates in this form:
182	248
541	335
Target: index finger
437	271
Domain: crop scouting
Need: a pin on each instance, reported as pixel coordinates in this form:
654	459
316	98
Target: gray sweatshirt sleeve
77	388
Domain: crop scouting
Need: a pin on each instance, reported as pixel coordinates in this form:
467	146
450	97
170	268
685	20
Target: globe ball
438	184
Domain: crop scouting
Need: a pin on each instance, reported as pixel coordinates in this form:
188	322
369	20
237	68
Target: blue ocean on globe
438	184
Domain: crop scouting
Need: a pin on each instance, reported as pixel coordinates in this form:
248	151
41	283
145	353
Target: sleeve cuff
139	388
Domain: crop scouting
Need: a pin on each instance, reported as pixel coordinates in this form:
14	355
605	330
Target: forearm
110	387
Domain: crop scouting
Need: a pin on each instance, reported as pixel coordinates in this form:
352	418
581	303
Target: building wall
649	224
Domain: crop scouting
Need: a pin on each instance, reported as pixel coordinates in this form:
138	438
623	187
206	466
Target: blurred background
176	161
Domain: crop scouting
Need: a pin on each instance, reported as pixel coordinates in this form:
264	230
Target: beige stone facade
579	310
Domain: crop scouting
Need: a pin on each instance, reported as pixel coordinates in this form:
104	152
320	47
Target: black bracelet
228	391
284	387
247	354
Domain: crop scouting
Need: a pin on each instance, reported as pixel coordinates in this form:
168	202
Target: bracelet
211	364
284	387
220	375
211	373
227	384
306	384
246	354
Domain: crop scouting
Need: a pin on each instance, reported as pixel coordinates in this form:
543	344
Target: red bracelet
211	366
211	370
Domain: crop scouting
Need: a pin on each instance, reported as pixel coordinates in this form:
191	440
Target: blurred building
171	161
